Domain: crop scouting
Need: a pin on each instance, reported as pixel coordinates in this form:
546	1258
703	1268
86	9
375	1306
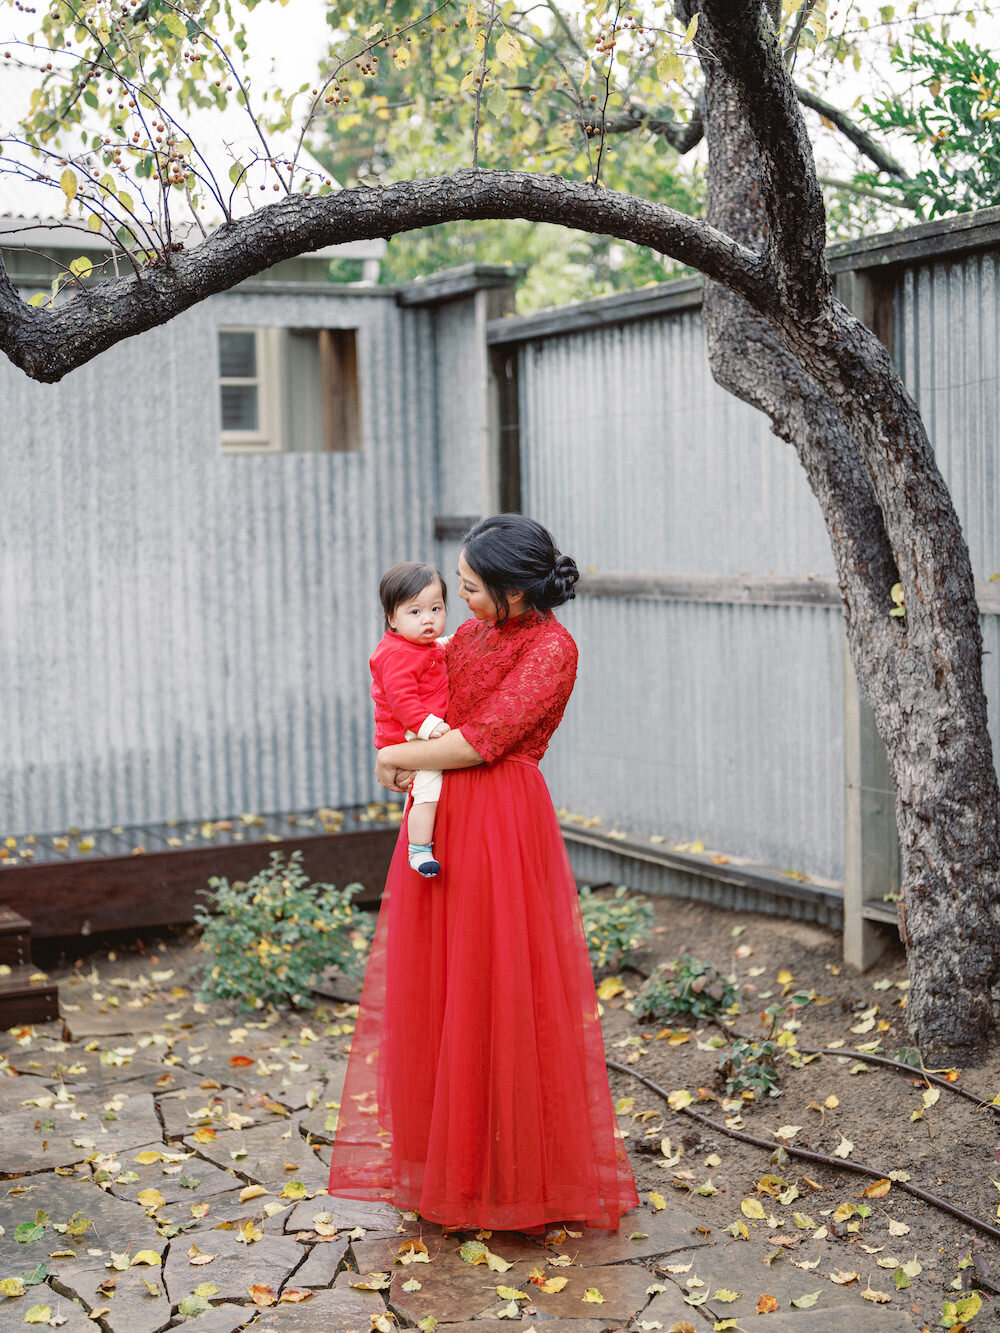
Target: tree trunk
830	390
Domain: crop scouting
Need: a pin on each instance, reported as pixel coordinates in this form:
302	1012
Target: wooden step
24	1000
15	938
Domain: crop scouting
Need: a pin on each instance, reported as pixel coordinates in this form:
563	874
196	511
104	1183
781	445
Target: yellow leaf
470	16
610	987
203	1135
148	1157
11	1286
554	1284
625	1104
878	1189
657	1200
401	57
252	1192
752	1208
294	1189
844	1148
784	977
842	1278
196	1256
898	1228
877	1297
149	1257
511	1294
592	1296
679	1098
38	1314
691	29
670	68
508	50
69	184
725	1295
150	1198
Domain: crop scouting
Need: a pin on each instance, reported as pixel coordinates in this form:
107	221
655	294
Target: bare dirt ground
949	1148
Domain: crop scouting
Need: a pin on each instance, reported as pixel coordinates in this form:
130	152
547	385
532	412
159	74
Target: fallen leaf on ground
844	1148
767	1304
592	1296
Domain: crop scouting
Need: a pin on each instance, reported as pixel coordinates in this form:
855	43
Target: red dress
476	1091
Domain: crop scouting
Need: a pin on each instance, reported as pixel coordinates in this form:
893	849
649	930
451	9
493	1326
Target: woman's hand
390	776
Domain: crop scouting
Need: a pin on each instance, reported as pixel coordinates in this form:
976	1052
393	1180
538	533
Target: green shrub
685	987
750	1065
269	938
615	927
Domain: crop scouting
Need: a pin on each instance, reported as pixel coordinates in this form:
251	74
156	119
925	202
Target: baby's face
421	618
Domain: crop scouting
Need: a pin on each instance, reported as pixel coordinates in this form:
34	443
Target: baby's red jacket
409	683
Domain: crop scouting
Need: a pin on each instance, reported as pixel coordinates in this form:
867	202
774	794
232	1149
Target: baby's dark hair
510	553
404	581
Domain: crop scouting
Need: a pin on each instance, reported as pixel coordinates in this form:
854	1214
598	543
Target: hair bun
559	586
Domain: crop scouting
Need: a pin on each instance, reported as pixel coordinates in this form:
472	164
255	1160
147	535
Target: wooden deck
125	878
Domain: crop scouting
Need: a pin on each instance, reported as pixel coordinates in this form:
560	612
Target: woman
476	1091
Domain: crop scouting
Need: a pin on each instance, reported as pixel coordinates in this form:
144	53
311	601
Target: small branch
869	192
857	136
607	93
480	81
837	1163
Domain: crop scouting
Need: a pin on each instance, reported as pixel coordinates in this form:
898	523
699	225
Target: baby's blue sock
421	858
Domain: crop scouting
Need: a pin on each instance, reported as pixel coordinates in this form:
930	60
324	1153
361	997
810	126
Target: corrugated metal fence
717	720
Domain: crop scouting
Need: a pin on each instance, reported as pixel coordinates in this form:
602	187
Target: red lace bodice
510	683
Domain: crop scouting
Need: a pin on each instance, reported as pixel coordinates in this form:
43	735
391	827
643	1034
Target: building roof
33	209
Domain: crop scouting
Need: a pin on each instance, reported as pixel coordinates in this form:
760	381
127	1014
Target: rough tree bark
861	441
830	389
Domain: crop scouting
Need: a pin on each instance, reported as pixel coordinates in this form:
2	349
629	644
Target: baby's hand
439	730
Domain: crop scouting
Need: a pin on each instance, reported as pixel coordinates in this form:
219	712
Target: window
247	366
289	390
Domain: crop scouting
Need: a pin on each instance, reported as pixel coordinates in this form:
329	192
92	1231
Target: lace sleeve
534	692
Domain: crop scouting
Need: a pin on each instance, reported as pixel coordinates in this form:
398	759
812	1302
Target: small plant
269	938
615	927
687	986
751	1066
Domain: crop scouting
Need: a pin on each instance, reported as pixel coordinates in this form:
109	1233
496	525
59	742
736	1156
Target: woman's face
473	594
478	600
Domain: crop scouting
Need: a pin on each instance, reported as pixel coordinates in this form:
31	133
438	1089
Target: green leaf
806	1302
193	1305
28	1231
35	1276
176	25
236	173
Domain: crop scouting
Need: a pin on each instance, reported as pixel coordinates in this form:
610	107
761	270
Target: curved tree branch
857	136
48	342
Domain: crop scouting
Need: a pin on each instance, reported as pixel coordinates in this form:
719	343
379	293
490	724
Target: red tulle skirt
476	1091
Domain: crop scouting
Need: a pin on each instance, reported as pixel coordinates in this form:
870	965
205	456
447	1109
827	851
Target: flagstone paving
163	1164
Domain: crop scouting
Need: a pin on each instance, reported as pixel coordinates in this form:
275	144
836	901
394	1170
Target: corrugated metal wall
726	723
948	353
640	463
185	633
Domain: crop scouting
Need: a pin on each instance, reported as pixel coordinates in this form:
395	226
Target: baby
410	688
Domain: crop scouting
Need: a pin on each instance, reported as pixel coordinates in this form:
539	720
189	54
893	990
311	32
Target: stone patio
165	1166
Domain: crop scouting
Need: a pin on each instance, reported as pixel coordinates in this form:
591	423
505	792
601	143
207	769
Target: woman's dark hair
511	553
403	581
